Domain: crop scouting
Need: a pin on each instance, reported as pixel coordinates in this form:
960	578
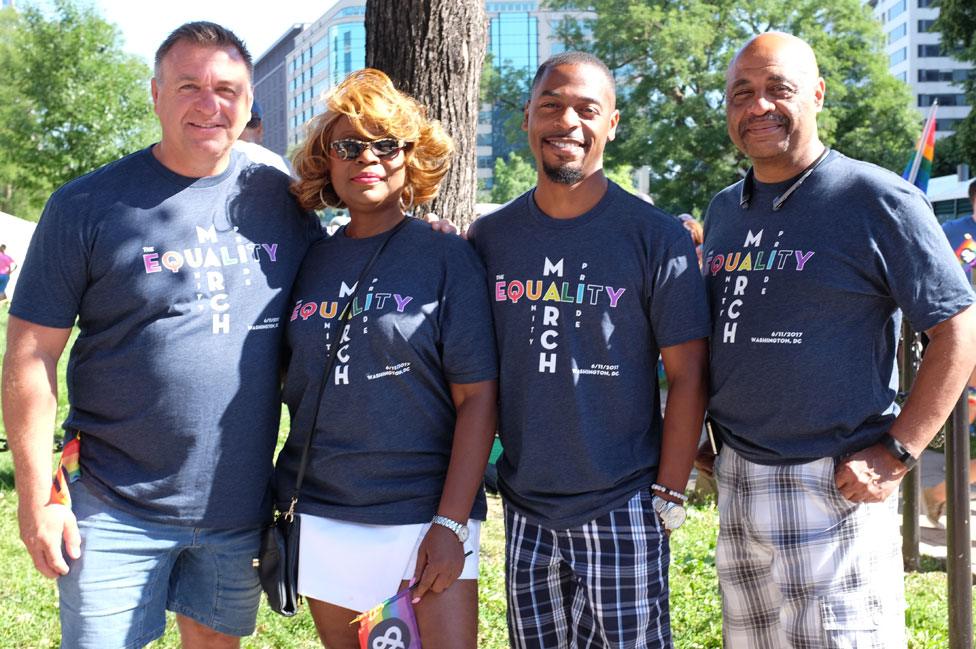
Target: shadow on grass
6	477
938	564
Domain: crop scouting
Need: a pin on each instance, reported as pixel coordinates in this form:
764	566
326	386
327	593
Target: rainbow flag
389	625
68	471
919	167
966	252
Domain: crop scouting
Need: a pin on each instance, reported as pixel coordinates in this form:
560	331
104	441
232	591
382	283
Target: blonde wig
376	110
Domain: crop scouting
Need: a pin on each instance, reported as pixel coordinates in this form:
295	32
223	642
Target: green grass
30	617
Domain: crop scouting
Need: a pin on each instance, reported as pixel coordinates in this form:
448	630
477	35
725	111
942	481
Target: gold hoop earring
325	203
408	206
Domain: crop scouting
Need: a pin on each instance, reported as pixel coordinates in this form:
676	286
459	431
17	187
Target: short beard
564	175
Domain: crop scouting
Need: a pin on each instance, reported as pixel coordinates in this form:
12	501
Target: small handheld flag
919	167
389	625
966	252
68	471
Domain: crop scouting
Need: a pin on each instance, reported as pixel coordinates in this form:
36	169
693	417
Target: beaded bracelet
671	492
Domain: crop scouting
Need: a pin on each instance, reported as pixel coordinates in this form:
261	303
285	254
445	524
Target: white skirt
357	566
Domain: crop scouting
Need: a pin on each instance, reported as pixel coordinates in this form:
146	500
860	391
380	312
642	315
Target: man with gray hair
809	262
177	262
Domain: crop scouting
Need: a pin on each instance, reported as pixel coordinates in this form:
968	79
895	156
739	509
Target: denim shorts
132	570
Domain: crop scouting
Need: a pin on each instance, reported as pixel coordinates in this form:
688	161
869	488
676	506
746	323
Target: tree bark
433	51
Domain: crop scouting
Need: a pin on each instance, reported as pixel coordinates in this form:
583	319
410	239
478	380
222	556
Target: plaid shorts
801	567
602	584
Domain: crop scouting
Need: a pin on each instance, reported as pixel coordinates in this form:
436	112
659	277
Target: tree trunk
433	50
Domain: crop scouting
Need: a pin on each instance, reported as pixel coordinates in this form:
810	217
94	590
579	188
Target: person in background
956	232
7	266
251	143
696	231
957	229
406	419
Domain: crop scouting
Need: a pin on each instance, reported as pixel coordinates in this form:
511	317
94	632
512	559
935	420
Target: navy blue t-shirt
956	231
385	428
582	307
179	286
805	303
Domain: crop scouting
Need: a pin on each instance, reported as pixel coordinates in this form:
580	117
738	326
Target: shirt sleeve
920	269
467	334
677	304
55	274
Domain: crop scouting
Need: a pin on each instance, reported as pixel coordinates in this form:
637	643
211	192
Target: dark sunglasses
350	149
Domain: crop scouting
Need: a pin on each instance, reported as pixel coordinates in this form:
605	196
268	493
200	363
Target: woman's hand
440	560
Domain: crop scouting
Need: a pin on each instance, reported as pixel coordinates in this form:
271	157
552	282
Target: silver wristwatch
672	514
458	528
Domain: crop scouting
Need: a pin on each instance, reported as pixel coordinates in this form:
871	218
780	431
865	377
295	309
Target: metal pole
911	485
959	561
958	551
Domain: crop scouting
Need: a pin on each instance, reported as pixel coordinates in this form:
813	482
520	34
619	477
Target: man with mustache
589	283
177	262
810	261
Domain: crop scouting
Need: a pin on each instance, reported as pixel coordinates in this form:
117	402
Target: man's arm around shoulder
872	474
30	401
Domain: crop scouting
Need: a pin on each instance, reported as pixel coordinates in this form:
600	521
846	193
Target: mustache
770	117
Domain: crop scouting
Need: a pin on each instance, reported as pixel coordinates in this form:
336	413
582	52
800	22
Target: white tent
16	234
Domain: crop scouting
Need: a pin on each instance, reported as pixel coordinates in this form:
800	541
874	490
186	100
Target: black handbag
277	561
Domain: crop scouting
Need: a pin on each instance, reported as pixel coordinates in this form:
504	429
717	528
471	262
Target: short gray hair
201	32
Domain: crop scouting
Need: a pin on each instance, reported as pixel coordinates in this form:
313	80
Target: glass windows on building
925	26
492	7
897	9
945	75
928	51
515	41
320	67
898	32
320	45
946	99
947	124
922	4
898	56
513	44
348	50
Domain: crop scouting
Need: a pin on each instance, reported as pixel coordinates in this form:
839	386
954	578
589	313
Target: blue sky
144	25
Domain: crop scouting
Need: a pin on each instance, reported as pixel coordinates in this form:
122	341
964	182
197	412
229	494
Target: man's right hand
705	459
43	531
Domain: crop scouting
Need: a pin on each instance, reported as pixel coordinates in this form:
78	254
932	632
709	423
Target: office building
323	54
521	35
915	56
270	89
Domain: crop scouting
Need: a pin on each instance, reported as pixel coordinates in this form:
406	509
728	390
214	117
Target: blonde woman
406	418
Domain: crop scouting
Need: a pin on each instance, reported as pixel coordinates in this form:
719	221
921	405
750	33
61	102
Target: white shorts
357	566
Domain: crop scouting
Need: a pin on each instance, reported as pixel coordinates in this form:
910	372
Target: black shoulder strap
330	363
